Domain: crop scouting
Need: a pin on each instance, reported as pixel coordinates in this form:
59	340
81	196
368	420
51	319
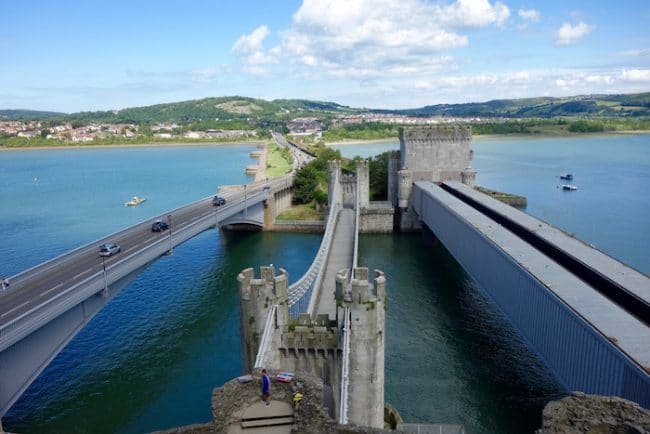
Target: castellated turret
333	176
367	303
363	183
256	298
428	153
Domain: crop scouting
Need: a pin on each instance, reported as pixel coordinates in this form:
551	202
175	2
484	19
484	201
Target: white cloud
474	13
531	15
599	79
361	39
638	75
642	52
251	42
568	34
527	16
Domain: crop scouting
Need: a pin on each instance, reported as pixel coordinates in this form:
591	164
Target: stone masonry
367	303
428	153
374	217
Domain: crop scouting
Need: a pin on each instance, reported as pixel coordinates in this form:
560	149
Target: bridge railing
355	255
300	292
267	338
72	255
345	369
49	309
62	301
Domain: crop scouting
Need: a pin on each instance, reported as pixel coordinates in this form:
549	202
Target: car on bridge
109	249
159	226
218	201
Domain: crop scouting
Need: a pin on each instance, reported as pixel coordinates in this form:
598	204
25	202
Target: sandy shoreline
128	145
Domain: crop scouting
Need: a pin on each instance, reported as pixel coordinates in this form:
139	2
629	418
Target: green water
450	356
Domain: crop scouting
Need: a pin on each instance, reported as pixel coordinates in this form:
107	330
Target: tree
378	168
304	184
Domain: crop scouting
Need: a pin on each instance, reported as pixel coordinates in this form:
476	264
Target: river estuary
150	359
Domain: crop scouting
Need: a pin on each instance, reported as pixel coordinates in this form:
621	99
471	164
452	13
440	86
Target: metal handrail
355	255
345	369
267	337
313	276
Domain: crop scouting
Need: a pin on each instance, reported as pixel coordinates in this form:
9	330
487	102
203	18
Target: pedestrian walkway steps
276	418
267	421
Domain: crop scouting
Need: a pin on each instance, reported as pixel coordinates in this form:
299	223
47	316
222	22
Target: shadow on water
451	356
150	358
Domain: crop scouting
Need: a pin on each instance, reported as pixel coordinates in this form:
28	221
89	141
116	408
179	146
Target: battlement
269	287
435	132
359	290
307	333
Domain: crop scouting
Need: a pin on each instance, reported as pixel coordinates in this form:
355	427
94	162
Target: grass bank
301	212
278	161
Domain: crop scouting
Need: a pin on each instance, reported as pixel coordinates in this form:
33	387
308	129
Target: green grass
301	212
276	164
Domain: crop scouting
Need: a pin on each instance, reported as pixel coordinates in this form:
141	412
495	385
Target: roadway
35	286
300	157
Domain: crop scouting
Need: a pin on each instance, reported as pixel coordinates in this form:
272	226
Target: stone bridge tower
428	153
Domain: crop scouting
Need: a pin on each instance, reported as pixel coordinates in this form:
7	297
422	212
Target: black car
218	201
159	226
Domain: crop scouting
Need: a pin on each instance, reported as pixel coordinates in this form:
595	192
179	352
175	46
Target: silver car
109	249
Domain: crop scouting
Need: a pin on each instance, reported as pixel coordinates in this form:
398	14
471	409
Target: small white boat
135	201
568	187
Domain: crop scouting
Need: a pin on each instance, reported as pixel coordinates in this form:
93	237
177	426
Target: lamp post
245	207
105	291
169	222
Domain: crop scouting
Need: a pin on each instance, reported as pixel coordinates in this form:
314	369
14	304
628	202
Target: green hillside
632	105
234	111
229	108
18	114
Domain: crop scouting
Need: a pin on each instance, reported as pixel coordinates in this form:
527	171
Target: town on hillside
80	132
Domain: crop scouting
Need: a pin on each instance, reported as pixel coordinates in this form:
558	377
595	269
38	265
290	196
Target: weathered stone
595	415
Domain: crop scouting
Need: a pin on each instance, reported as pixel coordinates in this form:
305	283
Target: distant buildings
304	126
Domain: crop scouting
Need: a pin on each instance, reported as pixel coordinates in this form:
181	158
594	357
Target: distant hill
631	105
264	113
18	114
223	108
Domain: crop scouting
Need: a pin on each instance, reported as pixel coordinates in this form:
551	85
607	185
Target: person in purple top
266	386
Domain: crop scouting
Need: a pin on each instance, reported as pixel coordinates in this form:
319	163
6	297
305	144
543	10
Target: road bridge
47	305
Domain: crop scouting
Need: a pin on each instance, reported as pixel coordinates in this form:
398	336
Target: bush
586	127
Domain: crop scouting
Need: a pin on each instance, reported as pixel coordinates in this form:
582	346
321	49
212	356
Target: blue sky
89	55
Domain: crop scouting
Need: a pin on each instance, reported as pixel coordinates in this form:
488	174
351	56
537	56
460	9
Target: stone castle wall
428	153
435	153
256	296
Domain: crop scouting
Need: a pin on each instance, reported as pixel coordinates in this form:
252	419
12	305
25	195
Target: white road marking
15	308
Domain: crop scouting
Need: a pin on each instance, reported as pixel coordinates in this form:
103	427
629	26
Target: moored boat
135	201
568	187
567	176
